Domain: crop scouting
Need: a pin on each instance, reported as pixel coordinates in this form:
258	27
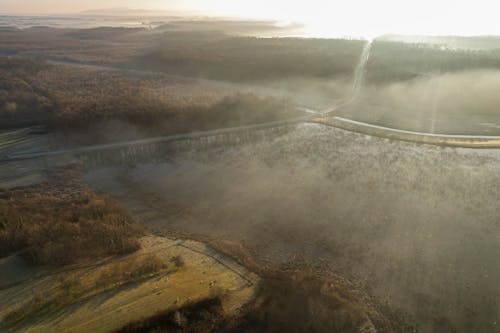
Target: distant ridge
125	11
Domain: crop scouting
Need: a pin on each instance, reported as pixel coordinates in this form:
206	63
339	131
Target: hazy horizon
353	18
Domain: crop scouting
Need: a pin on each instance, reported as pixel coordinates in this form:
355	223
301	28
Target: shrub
60	223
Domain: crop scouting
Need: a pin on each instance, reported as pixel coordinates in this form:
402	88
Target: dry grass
63	222
72	288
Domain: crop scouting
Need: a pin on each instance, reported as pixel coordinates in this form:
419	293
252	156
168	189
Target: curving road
322	117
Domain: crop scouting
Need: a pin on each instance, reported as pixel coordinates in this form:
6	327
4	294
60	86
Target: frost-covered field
418	225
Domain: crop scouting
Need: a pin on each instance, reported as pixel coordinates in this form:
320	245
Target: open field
399	61
164	276
414	224
431	87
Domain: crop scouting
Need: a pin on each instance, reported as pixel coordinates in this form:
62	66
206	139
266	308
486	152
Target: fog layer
465	102
417	225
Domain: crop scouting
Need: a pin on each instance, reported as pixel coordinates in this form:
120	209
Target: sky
350	17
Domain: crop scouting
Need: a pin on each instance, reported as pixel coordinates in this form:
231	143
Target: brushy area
62	222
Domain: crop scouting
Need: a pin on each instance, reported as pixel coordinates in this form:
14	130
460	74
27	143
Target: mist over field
417	225
426	85
453	103
468	92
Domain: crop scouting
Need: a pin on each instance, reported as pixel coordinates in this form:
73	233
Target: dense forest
68	99
21	103
191	48
252	59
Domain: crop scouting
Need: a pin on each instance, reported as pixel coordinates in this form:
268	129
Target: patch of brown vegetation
62	222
